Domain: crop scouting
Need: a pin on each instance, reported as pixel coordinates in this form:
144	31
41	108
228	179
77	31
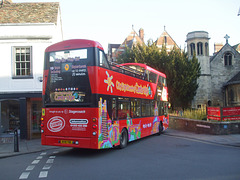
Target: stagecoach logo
56	124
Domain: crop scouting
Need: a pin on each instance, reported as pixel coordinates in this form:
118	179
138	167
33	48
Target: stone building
225	79
219	80
26	29
198	44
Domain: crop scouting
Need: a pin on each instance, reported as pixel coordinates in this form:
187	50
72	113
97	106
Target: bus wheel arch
123	138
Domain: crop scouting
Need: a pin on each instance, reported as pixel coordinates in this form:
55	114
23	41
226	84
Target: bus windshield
68	76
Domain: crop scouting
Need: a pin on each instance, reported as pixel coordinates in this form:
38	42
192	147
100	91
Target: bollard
16	144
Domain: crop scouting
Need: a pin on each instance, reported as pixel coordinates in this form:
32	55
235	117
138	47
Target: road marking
43	174
43	153
31	167
24	175
49	161
47	166
39	157
35	162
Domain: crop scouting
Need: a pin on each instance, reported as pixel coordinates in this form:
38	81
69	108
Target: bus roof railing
126	70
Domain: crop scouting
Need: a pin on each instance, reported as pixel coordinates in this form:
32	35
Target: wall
204	127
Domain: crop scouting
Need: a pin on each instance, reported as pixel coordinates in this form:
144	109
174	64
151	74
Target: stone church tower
198	45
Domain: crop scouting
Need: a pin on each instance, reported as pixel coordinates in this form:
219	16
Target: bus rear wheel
123	139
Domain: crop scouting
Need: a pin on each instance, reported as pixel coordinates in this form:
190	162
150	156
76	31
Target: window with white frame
22	62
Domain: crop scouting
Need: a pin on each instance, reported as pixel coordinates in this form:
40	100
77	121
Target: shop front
21	112
9	116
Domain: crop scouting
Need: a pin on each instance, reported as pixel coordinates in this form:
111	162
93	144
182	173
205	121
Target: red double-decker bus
89	102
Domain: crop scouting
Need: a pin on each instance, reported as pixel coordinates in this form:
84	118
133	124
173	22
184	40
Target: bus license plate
66	142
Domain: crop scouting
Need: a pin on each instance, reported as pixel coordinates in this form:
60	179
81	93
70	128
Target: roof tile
29	13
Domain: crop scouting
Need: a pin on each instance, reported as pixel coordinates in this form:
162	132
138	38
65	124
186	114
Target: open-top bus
89	102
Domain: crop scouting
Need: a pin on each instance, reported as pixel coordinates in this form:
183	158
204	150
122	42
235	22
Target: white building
26	29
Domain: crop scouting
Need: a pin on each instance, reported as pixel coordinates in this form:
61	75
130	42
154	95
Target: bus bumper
89	143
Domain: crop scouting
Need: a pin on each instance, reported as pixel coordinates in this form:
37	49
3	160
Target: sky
111	21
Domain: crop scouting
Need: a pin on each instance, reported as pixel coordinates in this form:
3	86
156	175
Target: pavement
25	147
225	140
34	145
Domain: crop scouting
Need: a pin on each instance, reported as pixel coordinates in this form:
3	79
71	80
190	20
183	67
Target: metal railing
126	70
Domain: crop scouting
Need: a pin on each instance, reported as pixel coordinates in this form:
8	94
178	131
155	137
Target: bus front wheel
123	139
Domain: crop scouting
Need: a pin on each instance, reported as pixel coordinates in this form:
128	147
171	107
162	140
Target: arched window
200	48
206	49
165	40
192	48
228	59
231	95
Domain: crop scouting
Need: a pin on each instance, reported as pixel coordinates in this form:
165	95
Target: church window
165	40
231	95
200	48
228	59
206	49
192	48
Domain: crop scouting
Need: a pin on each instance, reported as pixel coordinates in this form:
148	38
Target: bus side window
147	75
114	110
123	108
152	77
160	108
135	108
146	108
152	108
102	60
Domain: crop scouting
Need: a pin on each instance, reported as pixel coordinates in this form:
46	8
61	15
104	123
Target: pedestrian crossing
36	163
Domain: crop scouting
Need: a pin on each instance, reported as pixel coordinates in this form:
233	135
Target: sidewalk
31	146
227	140
25	147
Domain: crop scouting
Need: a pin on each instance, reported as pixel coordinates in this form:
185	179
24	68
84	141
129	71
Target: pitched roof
223	50
29	13
237	47
166	39
234	80
132	39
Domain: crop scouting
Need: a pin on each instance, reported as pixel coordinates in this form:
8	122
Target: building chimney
141	34
217	47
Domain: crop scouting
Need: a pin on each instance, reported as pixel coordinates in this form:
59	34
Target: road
154	157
